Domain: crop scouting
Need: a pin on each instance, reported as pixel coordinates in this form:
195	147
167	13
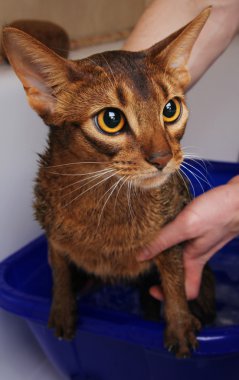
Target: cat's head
124	109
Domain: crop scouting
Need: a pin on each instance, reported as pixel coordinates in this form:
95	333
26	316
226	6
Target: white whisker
122	184
77	163
194	194
185	183
195	176
92	187
76	174
102	68
95	175
133	187
197	161
111	190
204	178
131	213
86	183
110	68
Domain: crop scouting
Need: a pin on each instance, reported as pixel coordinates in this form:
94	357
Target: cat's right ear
42	72
172	54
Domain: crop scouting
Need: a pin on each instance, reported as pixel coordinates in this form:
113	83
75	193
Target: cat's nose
160	159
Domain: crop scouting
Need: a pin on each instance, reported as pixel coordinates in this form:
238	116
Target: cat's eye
110	120
172	111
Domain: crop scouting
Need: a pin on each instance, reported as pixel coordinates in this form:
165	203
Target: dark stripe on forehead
136	73
121	96
108	150
141	84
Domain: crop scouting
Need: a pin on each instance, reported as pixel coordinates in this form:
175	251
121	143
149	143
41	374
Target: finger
156	292
196	255
193	277
170	235
192	286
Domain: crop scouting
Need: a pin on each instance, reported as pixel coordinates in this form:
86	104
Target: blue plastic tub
113	342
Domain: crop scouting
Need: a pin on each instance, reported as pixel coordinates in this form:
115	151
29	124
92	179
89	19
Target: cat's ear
173	52
42	72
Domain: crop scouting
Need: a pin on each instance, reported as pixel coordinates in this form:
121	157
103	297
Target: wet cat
109	178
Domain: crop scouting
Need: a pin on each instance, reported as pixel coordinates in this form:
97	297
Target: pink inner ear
178	62
41	102
38	93
32	79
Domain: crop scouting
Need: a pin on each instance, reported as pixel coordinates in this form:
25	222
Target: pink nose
160	159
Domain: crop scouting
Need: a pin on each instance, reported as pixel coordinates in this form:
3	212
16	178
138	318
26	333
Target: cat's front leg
63	314
181	325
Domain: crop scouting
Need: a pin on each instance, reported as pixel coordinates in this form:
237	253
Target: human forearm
163	17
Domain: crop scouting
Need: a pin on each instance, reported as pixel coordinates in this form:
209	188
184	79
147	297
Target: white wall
213	127
22	134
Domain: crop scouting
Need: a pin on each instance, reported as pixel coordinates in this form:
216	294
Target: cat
109	178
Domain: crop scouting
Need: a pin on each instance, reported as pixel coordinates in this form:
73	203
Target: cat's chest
132	219
106	238
104	235
107	244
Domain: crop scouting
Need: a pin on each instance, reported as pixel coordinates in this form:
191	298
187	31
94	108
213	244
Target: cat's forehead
127	70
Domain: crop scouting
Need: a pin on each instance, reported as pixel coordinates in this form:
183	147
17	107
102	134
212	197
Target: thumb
193	277
170	235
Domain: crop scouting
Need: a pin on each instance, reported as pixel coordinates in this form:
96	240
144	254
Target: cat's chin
153	182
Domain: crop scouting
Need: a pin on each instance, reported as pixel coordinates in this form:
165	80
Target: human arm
163	17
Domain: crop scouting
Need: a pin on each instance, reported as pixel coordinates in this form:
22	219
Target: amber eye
172	111
110	120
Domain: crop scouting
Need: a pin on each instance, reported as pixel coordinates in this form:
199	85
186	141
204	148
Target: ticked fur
100	197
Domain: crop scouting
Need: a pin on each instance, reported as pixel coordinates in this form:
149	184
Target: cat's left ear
173	52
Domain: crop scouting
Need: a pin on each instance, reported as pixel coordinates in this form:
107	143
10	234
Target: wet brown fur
104	238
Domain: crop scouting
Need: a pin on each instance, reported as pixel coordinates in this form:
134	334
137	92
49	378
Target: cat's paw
63	321
180	337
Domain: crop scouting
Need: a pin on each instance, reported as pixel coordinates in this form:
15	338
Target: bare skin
202	225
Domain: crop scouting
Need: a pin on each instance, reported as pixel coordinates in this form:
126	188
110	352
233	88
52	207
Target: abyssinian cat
109	178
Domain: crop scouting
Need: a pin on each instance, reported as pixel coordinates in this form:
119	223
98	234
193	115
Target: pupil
170	109
112	118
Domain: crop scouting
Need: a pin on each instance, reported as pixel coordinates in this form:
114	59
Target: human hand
205	225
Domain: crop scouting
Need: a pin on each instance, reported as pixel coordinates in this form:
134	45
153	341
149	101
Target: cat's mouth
157	178
152	180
